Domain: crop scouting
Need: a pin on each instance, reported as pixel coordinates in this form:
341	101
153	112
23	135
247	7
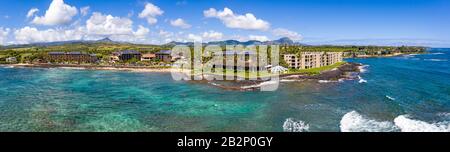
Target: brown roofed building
79	57
148	57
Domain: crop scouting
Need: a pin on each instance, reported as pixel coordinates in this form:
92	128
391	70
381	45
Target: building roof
56	53
149	55
74	53
129	52
165	52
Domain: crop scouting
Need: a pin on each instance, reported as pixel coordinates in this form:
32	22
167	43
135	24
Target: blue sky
361	22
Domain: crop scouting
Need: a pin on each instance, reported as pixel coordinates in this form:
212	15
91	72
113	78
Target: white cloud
31	12
180	23
195	38
150	13
84	10
212	35
281	32
98	26
107	25
231	20
4	32
33	35
258	38
165	34
58	13
142	32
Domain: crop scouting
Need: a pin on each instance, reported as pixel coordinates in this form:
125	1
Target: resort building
79	57
148	57
307	60
164	55
11	60
126	55
248	60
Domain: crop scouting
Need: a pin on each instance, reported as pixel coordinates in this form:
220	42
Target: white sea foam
330	81
437	53
72	68
292	125
361	80
290	80
363	68
354	122
390	98
436	60
214	84
260	85
410	125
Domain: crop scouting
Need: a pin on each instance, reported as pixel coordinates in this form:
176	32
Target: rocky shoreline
347	71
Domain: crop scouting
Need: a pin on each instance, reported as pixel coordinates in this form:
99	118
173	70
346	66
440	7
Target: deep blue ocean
405	93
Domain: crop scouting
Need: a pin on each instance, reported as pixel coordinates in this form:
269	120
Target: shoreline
95	67
386	56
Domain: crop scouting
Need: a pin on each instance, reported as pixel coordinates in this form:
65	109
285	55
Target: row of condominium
307	60
303	60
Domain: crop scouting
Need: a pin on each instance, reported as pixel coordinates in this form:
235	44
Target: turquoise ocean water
406	93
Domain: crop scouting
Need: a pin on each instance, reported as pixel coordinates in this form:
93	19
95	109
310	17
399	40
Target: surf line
188	142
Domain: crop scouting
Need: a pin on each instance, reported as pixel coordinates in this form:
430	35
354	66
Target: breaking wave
290	80
390	98
437	53
260	85
436	60
292	125
410	125
330	81
361	80
363	69
355	122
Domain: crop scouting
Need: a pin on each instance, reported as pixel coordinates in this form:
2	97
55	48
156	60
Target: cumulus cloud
97	26
31	12
4	32
231	20
84	10
142	32
258	38
195	38
32	35
212	35
58	13
180	23
165	34
281	32
107	25
150	13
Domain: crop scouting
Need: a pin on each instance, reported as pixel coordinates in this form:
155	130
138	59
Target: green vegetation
29	53
315	71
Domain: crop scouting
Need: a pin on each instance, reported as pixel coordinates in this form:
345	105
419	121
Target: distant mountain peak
106	39
281	41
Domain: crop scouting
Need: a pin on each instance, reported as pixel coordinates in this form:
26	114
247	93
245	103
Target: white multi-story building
307	60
